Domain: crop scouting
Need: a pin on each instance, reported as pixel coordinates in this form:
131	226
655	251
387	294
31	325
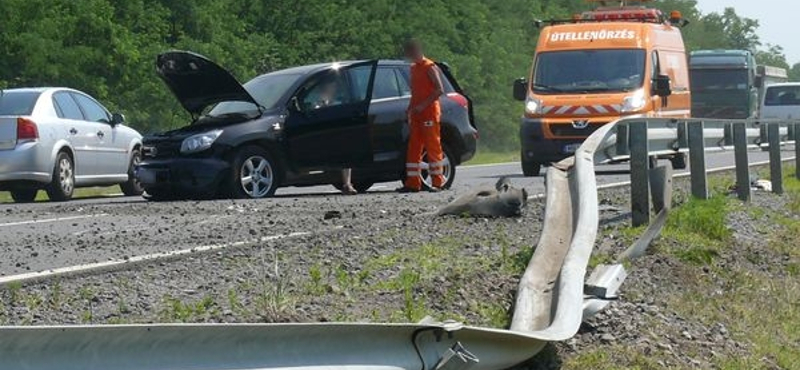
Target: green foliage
108	47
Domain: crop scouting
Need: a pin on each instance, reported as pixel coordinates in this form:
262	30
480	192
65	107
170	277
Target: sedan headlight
634	103
533	106
200	142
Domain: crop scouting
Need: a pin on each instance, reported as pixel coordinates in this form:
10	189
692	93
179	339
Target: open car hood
198	82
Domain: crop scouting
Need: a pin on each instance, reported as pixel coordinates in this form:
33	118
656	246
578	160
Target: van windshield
589	71
782	96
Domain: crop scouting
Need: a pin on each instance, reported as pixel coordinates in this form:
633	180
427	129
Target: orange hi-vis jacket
425	135
421	88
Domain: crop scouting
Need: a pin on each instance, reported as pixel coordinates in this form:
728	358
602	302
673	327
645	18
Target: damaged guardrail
551	302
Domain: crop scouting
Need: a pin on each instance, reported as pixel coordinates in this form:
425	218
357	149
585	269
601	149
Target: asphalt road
44	236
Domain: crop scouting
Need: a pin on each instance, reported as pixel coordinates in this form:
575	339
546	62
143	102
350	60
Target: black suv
295	127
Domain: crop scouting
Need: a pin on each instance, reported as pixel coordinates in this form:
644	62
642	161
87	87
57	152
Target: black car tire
63	185
531	169
24	195
133	187
450	175
268	177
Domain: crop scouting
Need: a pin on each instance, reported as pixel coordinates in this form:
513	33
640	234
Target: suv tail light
458	98
26	130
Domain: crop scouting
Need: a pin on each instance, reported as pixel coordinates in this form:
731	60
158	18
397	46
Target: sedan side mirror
662	86
521	89
117	119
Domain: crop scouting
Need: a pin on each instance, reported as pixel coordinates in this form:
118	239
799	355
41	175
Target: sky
777	19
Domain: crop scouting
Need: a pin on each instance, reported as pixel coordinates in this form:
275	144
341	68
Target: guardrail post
640	178
796	150
775	164
697	159
623	140
742	161
728	134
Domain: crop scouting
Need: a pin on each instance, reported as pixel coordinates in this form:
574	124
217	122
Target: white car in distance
59	139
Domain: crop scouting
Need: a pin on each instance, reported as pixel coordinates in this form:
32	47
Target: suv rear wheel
449	170
63	184
254	174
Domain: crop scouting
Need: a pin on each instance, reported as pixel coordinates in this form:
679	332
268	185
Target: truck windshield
588	71
719	79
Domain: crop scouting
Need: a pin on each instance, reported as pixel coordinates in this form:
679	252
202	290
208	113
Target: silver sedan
58	139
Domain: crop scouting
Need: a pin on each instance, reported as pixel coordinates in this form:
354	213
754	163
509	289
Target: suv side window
329	90
359	82
66	107
402	82
386	84
94	111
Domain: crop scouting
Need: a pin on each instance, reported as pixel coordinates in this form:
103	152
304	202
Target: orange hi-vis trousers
425	137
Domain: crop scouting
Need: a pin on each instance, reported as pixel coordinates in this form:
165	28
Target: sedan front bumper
193	176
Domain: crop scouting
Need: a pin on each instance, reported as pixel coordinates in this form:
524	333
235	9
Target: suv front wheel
254	173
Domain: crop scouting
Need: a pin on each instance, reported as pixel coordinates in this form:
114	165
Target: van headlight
634	103
200	142
533	106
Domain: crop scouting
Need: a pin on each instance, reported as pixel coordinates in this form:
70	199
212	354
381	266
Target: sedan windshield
586	71
267	90
17	103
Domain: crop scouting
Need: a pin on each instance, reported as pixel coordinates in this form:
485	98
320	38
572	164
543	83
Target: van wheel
531	169
133	187
24	195
254	174
63	184
449	170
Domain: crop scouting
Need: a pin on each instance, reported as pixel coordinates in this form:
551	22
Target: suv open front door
328	124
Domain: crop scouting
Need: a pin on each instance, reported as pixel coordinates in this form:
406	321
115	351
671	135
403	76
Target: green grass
697	230
491	157
5	197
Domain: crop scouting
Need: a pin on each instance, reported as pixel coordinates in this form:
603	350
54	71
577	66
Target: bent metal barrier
550	303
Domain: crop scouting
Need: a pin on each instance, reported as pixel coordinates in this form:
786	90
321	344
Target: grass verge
5	197
491	157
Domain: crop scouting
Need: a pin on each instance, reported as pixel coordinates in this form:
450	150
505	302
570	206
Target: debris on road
502	200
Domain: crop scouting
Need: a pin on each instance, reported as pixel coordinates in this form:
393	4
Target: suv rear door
328	125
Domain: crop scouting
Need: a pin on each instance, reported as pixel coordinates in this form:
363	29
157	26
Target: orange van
603	65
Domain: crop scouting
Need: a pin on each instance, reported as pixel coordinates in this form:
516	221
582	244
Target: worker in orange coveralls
424	115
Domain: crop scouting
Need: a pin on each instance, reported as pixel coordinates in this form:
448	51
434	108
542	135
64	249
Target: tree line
108	47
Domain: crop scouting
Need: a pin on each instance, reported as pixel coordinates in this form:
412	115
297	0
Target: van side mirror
521	89
662	86
117	119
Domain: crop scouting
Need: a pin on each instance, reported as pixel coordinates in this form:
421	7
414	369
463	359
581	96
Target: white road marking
49	220
4	280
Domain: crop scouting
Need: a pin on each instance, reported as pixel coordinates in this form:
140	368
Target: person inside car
328	97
